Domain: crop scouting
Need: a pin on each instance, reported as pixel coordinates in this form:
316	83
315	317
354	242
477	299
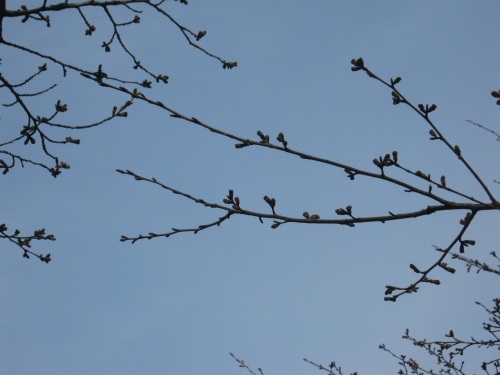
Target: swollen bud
201	34
396	80
395	156
443	181
414	268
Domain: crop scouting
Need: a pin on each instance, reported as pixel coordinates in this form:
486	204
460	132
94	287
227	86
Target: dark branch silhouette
43	129
24	242
234	207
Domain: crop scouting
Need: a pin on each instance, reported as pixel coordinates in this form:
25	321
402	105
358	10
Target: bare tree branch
485	128
478	265
41	130
383	163
24	242
423	111
242	364
446	351
331	369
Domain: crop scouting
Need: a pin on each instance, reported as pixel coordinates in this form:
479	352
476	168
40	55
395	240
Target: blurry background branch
446	351
449	353
485	128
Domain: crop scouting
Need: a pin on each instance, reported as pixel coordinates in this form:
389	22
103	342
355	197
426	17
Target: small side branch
152	235
486	129
242	364
331	369
24	243
478	265
393	293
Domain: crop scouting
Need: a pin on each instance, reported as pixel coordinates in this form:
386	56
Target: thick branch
282	219
245	142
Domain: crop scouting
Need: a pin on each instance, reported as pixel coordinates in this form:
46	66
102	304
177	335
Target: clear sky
272	297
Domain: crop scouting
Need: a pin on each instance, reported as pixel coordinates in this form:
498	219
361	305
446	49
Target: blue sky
272	297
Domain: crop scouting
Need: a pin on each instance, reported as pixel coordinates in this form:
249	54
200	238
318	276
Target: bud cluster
234	201
271	202
426	109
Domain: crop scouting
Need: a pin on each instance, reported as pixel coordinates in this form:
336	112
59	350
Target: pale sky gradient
272	297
